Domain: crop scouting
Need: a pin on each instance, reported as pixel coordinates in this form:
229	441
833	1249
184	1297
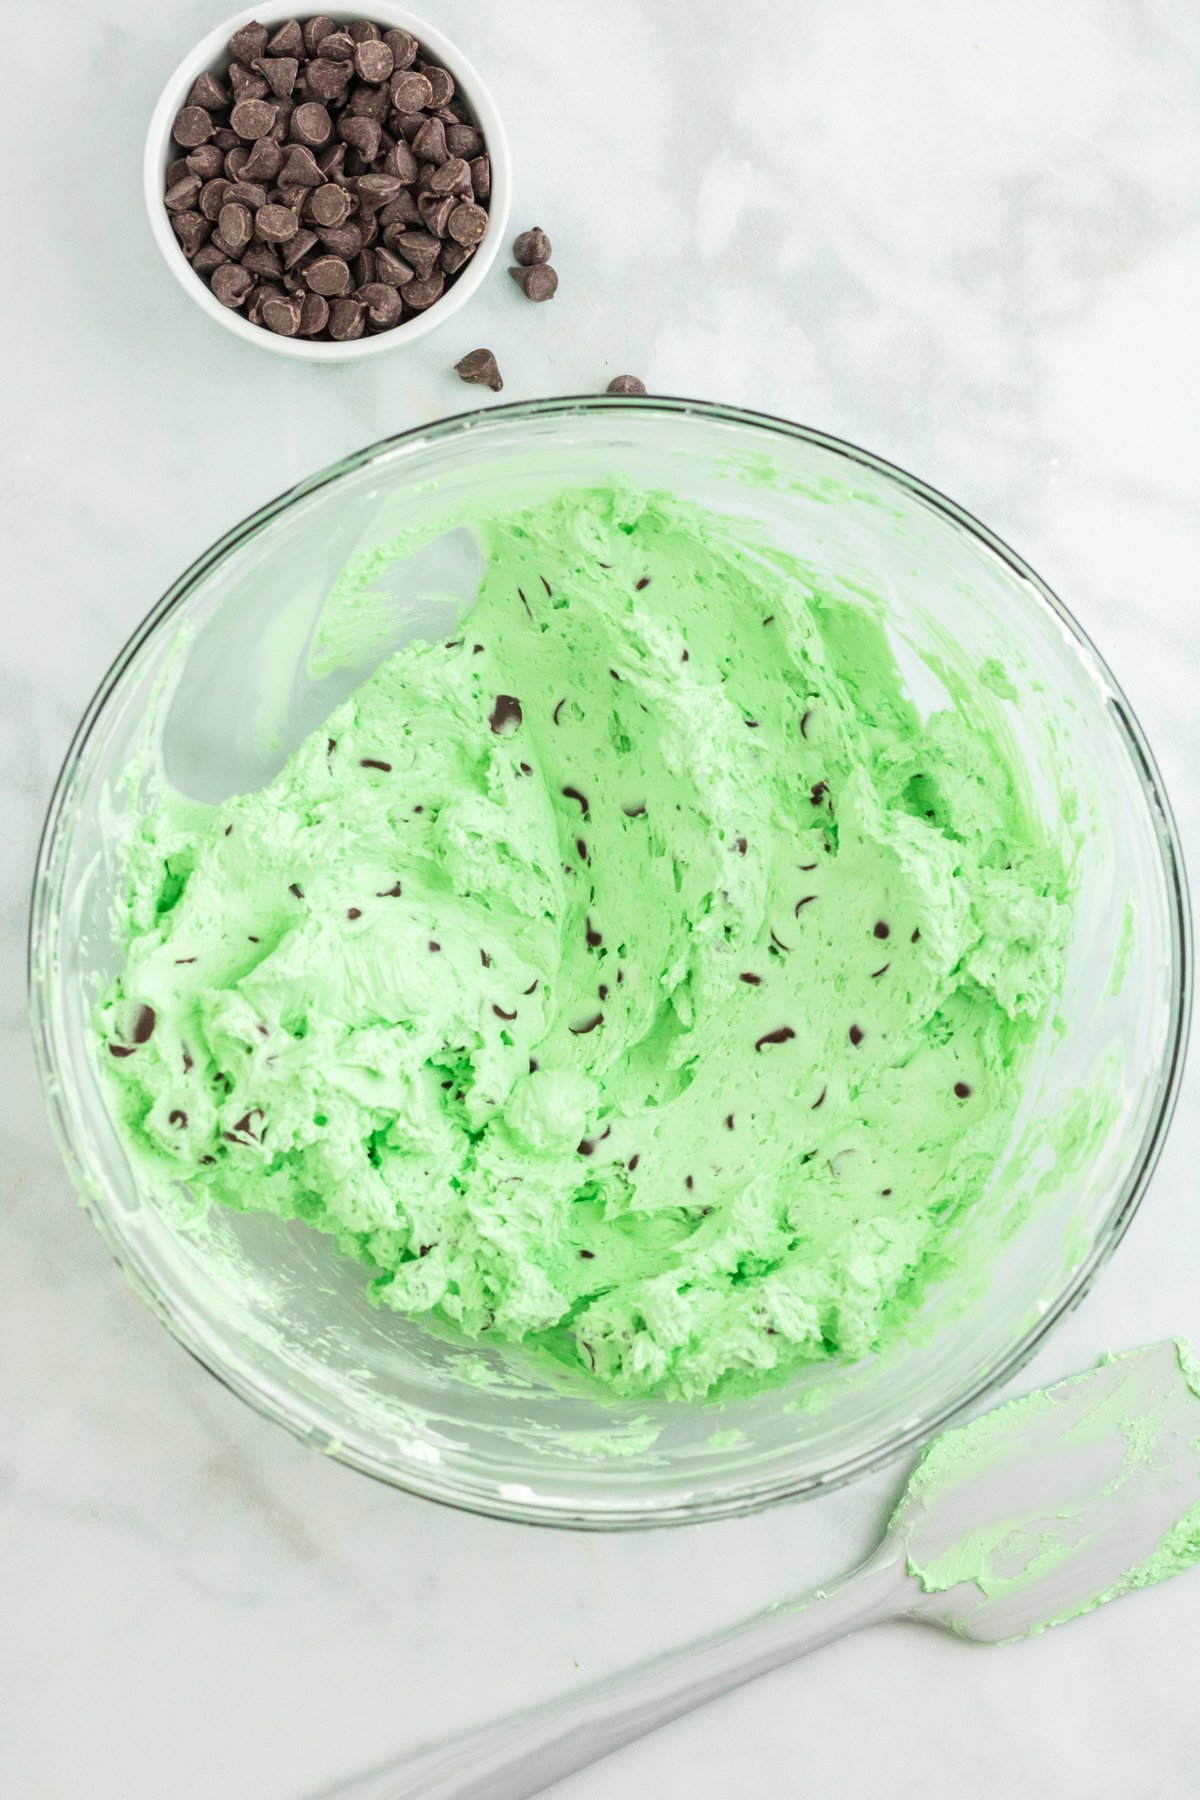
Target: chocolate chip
311	124
383	305
373	60
480	366
297	248
316	28
626	384
441	84
436	211
403	46
279	73
287	41
481	176
254	118
430	142
328	275
236	225
856	1035
314	314
261	260
419	249
300	169
424	290
411	92
249	42
532	247
264	161
453	256
282	316
882	930
330	205
208	258
454	177
467	225
337	46
342	240
391	269
506	714
376	191
192	126
537	283
464	141
435	948
643	581
963	1090
275	224
191	230
206	161
354	912
780	1035
362	135
208	92
248	193
180	195
362	30
246	84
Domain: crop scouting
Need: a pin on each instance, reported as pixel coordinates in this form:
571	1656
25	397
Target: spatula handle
524	1754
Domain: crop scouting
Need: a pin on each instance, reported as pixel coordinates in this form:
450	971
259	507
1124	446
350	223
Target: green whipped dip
636	975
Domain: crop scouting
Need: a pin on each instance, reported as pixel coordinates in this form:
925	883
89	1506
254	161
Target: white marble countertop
966	235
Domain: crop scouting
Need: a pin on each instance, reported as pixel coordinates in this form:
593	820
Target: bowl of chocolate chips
328	186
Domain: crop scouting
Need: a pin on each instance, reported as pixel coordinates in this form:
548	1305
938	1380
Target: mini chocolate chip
532	247
480	366
354	912
780	1035
626	384
506	714
581	849
434	945
295	888
915	937
963	1090
633	1162
856	1035
749	979
881	929
592	936
729	1121
540	282
588	1255
177	1117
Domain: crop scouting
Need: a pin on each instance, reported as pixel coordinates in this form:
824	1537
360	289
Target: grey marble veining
966	235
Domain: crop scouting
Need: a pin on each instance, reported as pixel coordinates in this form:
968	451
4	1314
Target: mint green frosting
635	975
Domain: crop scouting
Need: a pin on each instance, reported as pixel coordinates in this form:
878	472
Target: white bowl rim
158	153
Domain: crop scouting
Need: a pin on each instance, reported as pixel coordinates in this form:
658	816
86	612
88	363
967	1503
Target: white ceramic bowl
160	150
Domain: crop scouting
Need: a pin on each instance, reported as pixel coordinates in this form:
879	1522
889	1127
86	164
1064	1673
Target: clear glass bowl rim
484	1497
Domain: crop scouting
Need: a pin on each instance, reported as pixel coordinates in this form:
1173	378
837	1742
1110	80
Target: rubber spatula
1030	1515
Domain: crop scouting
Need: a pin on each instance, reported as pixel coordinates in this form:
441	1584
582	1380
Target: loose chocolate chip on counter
532	247
626	384
540	282
480	366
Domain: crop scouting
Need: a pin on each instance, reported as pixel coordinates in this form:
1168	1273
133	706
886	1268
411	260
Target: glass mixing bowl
250	650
